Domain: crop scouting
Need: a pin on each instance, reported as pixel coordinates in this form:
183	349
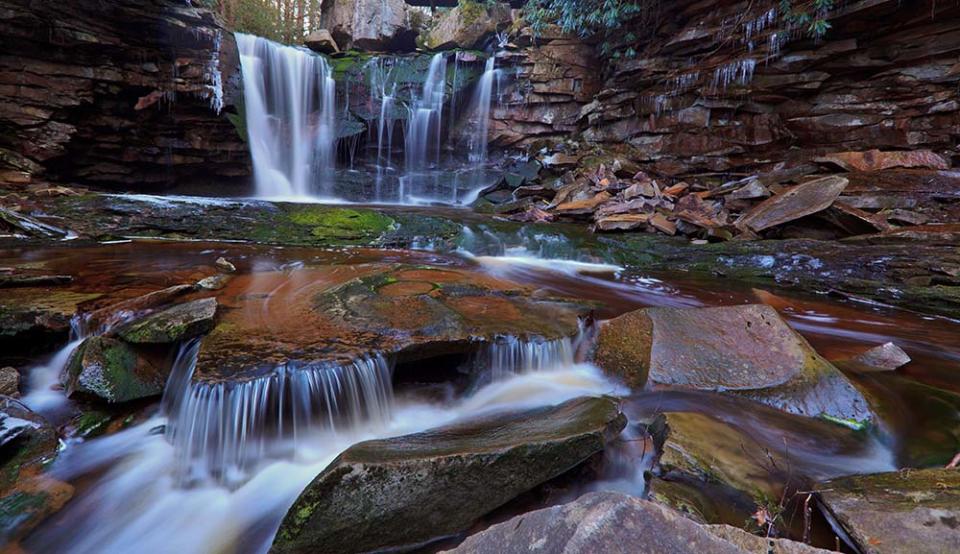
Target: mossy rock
904	511
173	325
406	491
112	370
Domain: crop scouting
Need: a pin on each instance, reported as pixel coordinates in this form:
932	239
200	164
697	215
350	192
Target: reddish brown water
919	404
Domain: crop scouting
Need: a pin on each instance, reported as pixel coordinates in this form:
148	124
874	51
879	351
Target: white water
480	119
44	395
289	100
137	505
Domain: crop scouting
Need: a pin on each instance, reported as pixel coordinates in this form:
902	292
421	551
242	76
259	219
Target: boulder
112	370
179	323
374	25
799	201
321	41
468	25
905	511
887	357
745	350
406	491
617	523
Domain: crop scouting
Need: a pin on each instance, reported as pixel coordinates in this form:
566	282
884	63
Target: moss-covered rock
406	491
111	369
181	322
905	511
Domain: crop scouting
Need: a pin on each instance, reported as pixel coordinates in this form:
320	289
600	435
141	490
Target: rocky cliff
723	86
125	94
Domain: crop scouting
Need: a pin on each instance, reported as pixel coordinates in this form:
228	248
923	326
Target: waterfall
222	430
477	141
510	355
289	99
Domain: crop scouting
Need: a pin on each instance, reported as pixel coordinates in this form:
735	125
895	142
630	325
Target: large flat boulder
905	511
468	25
337	314
377	25
747	350
616	523
409	490
799	201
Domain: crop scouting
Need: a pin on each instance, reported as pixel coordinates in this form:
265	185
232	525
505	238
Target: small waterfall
290	101
477	141
44	395
424	125
510	355
221	431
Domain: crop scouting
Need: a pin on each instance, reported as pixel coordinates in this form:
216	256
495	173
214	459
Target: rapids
214	467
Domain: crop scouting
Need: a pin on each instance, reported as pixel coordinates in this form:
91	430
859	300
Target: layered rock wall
126	94
725	87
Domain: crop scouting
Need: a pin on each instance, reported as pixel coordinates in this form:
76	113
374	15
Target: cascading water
289	100
221	431
480	119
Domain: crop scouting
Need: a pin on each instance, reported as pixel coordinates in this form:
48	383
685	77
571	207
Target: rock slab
617	523
746	350
907	511
409	490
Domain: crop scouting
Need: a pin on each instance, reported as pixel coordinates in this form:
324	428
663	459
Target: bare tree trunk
301	9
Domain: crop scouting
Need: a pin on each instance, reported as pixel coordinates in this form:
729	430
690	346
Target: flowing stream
214	466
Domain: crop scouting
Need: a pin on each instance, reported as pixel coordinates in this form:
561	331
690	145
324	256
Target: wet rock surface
170	326
27	443
910	510
617	523
409	490
745	350
338	314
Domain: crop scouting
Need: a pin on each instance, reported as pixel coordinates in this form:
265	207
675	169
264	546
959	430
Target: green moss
341	223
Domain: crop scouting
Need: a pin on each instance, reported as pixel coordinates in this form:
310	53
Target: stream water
208	470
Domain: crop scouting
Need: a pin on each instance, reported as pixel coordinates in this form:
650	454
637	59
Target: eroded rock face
907	511
321	41
375	25
126	94
746	350
408	490
338	314
617	523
